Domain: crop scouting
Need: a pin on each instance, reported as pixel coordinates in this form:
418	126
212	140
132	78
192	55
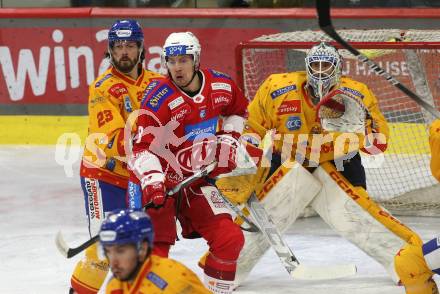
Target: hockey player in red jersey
104	177
417	264
204	111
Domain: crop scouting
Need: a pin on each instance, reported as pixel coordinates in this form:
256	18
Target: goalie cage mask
326	70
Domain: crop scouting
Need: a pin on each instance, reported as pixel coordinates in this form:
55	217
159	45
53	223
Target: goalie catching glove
341	112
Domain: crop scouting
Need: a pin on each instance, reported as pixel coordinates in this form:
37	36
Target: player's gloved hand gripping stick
70	252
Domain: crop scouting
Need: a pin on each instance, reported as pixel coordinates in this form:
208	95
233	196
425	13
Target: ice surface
37	199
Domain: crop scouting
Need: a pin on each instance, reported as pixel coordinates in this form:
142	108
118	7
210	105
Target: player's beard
125	64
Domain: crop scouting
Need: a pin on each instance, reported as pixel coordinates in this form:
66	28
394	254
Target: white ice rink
37	199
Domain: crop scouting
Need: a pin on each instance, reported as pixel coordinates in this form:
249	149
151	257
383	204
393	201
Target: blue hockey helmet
130	226
126	30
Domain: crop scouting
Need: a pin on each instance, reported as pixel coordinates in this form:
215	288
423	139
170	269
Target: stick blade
61	244
304	272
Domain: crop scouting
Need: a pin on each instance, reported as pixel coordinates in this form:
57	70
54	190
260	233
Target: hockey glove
154	192
226	152
340	111
147	168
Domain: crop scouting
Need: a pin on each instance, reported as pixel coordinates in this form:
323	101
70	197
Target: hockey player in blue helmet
127	239
126	33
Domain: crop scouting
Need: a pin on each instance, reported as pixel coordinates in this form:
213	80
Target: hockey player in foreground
417	264
178	134
321	121
104	176
127	239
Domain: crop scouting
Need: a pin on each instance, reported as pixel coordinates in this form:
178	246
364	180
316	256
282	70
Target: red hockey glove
154	192
226	152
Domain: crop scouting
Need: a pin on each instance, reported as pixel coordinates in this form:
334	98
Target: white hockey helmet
182	43
323	78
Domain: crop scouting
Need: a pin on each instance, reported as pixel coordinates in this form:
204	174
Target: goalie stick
323	8
285	254
69	252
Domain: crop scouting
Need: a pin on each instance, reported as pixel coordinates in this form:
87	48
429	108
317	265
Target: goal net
400	179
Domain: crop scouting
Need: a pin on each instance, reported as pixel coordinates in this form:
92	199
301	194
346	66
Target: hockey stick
253	228
69	252
323	8
285	254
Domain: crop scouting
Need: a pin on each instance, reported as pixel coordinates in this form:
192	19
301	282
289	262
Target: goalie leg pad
353	215
284	196
413	271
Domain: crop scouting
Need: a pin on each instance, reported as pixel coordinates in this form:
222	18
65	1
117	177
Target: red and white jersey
179	129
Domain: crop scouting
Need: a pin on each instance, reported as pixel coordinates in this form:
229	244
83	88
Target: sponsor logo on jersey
110	164
218	74
148	89
180	113
176	102
127	104
216	200
352	91
202	129
221	86
117	90
95	100
93	197
158	97
289	107
156	280
220	99
198	98
134	195
282	91
175	50
104	78
293	123
200	153
202	113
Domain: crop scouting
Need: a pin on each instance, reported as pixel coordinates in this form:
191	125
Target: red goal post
401	180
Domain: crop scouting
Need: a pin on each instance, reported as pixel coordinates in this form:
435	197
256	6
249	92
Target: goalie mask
184	43
323	64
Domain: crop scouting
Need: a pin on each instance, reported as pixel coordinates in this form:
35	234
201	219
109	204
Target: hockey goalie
320	122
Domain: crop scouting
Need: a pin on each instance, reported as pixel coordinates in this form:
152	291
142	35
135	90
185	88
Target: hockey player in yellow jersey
127	239
320	122
112	97
417	264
